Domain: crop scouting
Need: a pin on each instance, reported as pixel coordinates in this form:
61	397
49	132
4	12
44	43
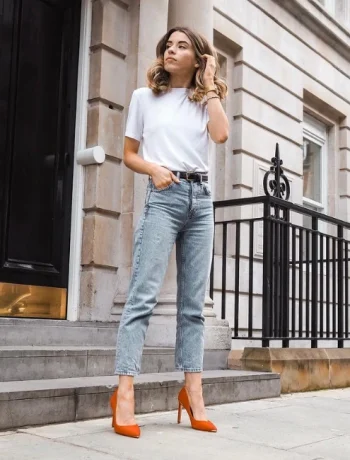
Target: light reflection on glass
25	301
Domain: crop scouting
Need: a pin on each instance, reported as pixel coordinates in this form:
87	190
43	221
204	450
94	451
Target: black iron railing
276	278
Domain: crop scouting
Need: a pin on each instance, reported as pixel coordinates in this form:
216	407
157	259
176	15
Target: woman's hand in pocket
162	177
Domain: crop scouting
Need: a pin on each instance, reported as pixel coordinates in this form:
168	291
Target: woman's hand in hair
162	177
210	69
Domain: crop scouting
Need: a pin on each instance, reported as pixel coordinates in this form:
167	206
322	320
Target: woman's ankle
126	384
193	381
195	390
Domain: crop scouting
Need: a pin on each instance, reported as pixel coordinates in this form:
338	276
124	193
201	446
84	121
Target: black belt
195	176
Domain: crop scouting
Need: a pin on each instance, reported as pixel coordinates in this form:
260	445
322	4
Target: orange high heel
132	431
202	425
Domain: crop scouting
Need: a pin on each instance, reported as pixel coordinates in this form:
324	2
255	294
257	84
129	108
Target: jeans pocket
168	187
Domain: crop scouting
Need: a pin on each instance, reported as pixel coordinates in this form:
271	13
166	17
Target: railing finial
279	186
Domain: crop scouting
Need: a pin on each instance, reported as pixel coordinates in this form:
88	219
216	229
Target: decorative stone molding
302	369
315	17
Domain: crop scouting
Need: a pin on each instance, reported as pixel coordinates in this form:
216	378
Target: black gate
297	287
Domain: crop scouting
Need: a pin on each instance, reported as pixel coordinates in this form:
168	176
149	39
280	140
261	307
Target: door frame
76	233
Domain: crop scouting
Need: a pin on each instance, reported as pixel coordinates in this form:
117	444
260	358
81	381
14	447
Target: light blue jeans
182	214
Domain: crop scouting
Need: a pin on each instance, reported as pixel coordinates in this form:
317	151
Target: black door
39	42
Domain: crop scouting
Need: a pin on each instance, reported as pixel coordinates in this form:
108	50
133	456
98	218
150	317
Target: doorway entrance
38	82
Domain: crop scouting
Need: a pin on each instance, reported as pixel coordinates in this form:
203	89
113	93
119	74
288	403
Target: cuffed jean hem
129	373
191	369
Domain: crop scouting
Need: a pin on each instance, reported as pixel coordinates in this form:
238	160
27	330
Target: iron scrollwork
278	186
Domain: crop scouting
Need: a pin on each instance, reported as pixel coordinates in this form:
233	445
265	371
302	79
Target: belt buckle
195	176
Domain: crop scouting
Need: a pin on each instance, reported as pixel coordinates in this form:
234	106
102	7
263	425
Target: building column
196	14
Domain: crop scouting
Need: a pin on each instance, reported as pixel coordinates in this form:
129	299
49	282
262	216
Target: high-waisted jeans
182	214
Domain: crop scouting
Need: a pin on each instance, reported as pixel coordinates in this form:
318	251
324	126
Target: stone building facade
287	66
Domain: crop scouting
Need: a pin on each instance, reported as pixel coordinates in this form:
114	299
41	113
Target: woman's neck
180	82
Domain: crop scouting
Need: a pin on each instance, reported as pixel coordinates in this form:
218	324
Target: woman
174	117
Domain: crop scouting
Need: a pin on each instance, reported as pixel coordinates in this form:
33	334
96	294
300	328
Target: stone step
41	402
16	332
34	363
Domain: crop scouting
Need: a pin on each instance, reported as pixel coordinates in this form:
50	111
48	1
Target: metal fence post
285	287
314	283
266	298
340	287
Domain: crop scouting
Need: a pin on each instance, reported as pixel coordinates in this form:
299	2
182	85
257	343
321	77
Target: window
315	141
314	164
329	5
312	171
340	9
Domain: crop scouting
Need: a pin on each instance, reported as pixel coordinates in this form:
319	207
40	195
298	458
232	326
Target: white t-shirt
173	130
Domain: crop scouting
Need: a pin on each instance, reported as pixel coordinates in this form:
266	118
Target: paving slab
29	447
172	442
304	416
338	449
263	430
342	406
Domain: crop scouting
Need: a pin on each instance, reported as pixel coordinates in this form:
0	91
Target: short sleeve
134	124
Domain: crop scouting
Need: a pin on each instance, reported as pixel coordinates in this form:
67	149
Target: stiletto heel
179	412
202	425
132	431
113	404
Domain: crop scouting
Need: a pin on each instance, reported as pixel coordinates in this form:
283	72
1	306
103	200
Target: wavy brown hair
159	79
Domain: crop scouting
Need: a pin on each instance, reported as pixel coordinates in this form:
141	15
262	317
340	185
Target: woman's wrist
151	169
209	86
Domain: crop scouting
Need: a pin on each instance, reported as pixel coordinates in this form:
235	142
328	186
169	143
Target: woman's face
179	56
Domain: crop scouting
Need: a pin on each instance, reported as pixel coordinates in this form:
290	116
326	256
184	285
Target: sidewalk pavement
309	426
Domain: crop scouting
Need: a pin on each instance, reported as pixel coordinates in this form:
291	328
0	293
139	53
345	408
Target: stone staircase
55	371
45	362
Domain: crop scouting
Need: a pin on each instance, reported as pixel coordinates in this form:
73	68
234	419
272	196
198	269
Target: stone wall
281	70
